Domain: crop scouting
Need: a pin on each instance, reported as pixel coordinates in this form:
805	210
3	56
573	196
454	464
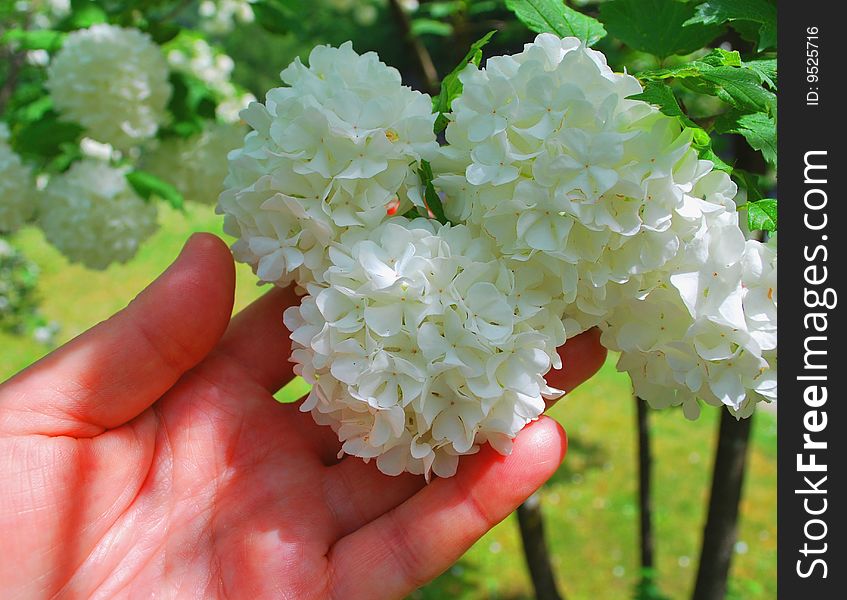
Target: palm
210	487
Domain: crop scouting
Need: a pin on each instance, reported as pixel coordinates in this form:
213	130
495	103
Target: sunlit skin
148	458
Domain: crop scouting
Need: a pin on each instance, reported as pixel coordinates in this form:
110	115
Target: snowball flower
549	156
93	216
328	152
112	81
17	189
196	166
708	332
569	206
421	345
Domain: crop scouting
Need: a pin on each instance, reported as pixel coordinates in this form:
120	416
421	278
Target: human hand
147	457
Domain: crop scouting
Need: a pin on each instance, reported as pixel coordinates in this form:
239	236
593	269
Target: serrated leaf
661	95
741	88
148	186
431	198
759	129
553	16
38	39
656	26
722	58
762	12
767	70
451	86
762	215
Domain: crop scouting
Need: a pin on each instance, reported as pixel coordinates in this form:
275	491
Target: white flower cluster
17	191
92	215
573	206
708	332
113	82
421	345
196	166
328	152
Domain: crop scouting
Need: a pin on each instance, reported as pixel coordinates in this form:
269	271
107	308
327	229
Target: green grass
590	509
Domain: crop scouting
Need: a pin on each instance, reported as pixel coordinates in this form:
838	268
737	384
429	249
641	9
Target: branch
16	61
420	52
176	10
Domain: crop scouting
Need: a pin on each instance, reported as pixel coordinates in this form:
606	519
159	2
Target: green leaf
191	102
35	110
431	27
759	129
83	15
761	12
750	182
656	26
702	142
740	88
163	32
553	16
722	58
762	215
431	198
439	10
275	16
767	70
148	185
44	139
451	86
39	39
722	74
661	95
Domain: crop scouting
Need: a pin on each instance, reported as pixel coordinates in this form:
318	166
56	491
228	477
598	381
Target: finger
114	371
357	492
259	342
582	356
415	542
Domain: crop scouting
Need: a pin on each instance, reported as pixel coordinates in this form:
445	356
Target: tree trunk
720	532
535	549
645	504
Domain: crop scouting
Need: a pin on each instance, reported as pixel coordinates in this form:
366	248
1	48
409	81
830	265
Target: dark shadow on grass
583	456
459	581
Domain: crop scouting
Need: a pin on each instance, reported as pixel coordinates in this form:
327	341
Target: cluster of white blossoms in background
112	81
92	215
197	165
196	57
115	83
220	16
572	206
17	193
330	151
